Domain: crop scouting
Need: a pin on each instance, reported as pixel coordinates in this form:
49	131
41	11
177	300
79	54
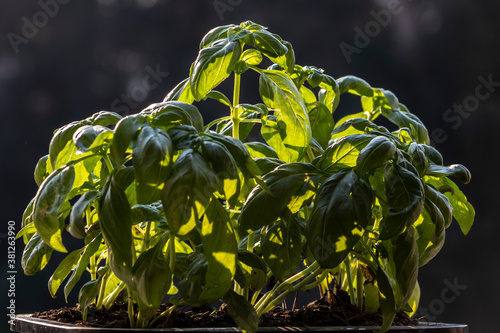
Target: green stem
109	165
167	312
310	154
111	297
359	287
130	308
274	297
233	223
147	235
93	267
245	120
171	250
236	100
268	305
100	298
318	281
250	244
347	263
255	68
216	121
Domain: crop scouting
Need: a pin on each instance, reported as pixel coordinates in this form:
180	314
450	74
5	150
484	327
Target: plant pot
25	324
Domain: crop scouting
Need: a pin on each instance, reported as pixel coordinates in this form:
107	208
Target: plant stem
93	269
359	287
163	314
130	308
111	297
213	122
310	154
147	234
171	250
273	297
347	263
266	306
109	165
102	289
235	118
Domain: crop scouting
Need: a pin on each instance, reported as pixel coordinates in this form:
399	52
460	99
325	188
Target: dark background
431	55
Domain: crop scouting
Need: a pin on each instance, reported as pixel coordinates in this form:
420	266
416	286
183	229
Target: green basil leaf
386	299
321	123
219	97
343	152
152	155
239	153
152	276
405	198
212	66
41	170
455	170
418	158
342	209
188	191
259	149
147	213
61	137
87	295
105	118
215	35
267	43
398	114
406	260
184	136
282	248
181	92
36	255
329	94
279	92
220	248
376	154
251	259
125	131
192	283
224	165
463	211
76	222
431	230
48	202
433	156
82	265
359	124
85	136
287	60
264	207
242	312
115	222
62	271
441	202
171	113
251	57
354	85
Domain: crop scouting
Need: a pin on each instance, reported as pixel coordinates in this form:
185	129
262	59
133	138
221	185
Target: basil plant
167	206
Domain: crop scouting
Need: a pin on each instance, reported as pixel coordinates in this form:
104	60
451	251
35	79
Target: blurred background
63	60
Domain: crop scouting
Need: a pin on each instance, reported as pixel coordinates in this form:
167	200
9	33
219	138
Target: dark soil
334	311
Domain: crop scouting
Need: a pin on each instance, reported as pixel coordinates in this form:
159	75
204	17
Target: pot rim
26	323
